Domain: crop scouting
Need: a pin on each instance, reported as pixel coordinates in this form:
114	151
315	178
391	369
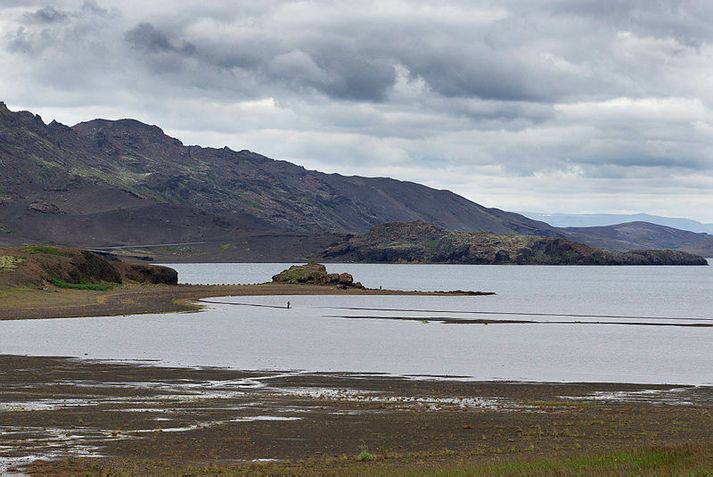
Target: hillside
125	182
703	248
105	183
43	266
419	242
633	235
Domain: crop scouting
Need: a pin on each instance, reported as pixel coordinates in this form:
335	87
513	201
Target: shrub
364	455
46	249
59	283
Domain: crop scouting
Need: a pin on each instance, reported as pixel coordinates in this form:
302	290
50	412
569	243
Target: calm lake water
668	291
579	325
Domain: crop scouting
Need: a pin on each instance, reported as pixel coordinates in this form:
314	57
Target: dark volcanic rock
154	274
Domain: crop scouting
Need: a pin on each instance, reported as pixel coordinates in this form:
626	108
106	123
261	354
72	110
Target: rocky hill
102	183
107	182
420	242
43	266
632	235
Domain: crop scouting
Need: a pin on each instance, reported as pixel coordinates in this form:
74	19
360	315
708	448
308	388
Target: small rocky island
421	242
314	273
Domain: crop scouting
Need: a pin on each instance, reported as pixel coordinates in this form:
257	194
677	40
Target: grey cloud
337	70
53	27
460	94
47	15
353	75
147	37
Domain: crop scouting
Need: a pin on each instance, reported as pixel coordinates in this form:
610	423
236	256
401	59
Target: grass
672	461
364	455
9	262
59	283
45	249
684	460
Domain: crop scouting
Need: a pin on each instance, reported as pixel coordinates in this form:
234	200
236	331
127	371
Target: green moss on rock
314	273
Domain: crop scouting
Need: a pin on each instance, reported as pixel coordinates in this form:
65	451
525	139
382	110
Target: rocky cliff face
419	242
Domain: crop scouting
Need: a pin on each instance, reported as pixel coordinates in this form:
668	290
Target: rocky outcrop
314	273
419	242
153	274
39	266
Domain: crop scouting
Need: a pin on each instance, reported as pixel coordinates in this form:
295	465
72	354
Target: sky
576	106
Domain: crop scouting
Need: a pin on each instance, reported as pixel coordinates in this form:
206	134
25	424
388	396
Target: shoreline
126	418
23	303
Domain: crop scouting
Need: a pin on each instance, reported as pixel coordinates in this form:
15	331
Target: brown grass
681	460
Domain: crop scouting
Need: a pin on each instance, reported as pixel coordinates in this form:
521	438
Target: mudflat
113	418
31	303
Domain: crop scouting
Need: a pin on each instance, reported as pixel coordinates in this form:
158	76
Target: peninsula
53	282
421	242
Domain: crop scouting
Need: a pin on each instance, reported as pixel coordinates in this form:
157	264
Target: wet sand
458	321
137	417
25	303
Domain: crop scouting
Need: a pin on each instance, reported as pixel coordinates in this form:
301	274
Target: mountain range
107	183
598	220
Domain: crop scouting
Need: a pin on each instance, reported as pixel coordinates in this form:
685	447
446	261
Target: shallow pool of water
368	334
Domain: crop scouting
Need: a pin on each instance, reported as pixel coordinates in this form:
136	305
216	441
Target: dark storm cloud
147	37
332	67
475	96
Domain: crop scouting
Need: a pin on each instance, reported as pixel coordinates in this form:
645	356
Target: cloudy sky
547	105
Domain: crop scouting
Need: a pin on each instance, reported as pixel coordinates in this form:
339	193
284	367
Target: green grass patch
364	455
45	249
59	283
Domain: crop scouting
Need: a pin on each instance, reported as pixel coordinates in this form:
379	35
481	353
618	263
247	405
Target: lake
588	324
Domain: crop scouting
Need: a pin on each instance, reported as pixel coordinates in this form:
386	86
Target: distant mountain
124	182
703	248
419	242
598	220
636	235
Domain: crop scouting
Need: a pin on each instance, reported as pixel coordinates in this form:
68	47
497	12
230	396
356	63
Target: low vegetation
650	462
684	460
44	249
59	283
364	455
